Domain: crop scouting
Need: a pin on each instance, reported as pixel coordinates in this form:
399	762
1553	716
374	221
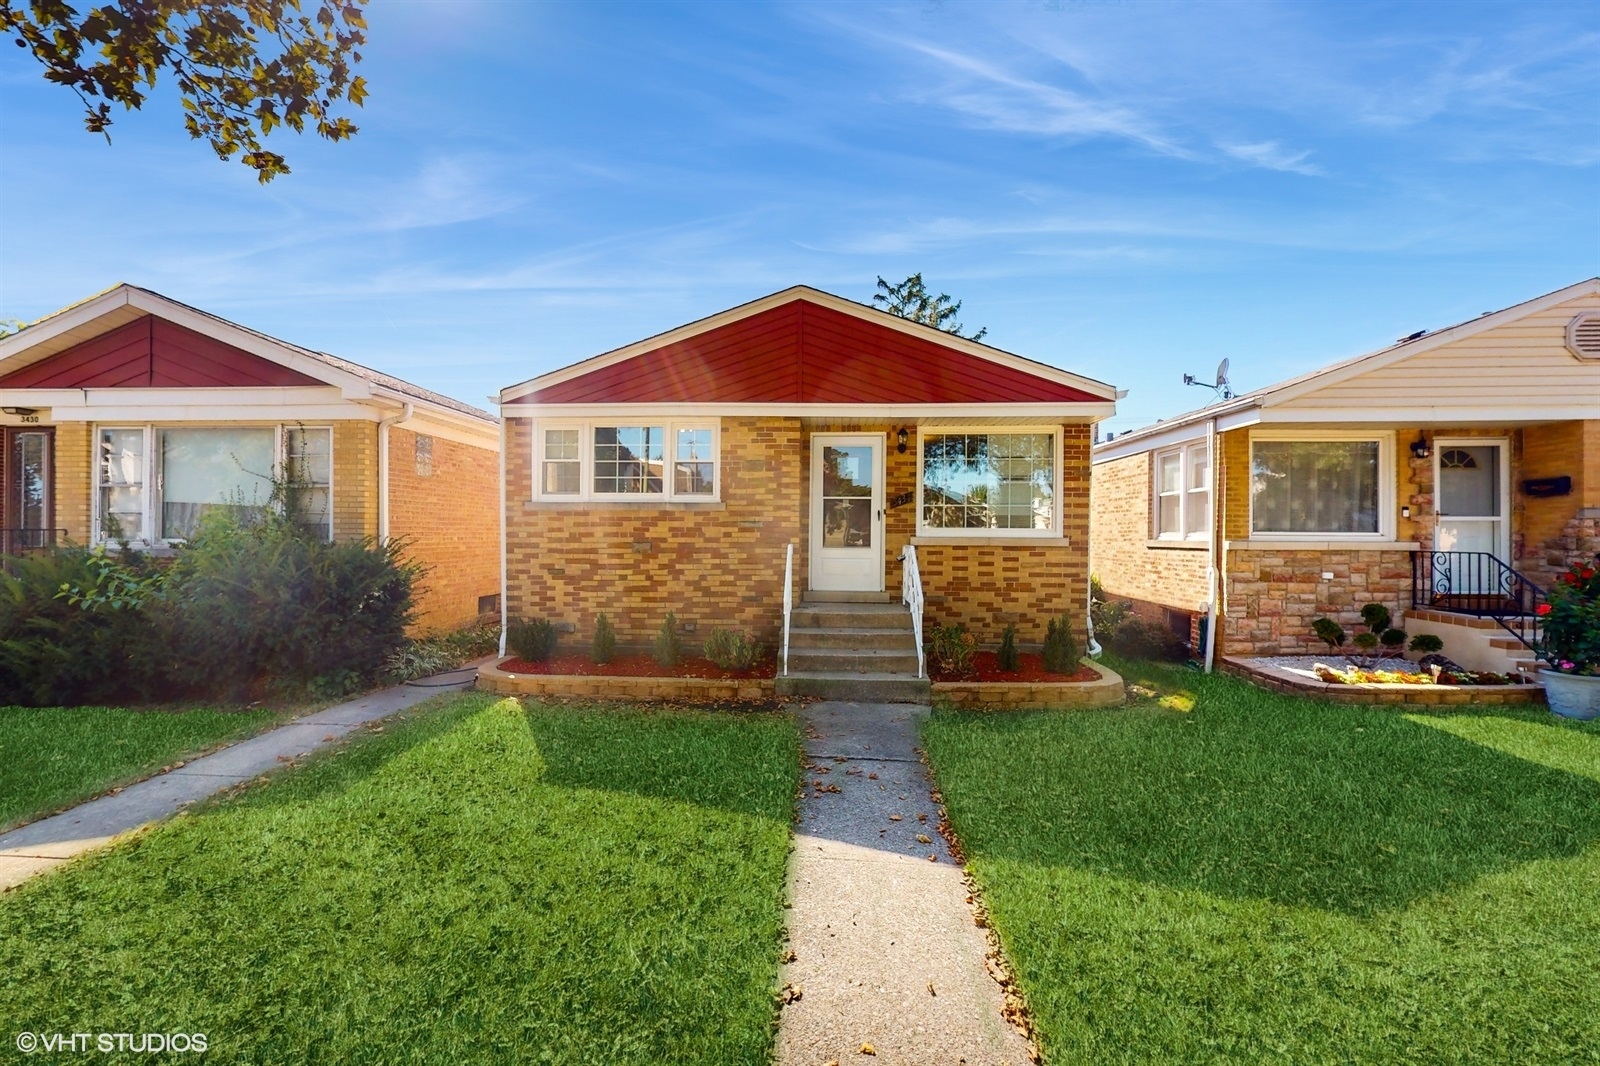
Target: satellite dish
1222	388
1222	374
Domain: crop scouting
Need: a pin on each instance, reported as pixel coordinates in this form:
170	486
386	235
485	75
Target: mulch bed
577	663
986	667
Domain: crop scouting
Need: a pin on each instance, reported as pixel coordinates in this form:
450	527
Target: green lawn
479	883
1263	877
54	756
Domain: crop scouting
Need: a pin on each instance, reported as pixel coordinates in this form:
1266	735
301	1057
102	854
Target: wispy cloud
1273	156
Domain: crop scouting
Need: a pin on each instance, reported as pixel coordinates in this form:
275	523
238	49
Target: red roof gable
805	353
151	352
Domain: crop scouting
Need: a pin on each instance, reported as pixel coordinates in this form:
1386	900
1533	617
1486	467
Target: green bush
1009	661
951	648
732	649
1137	639
533	641
668	647
1061	654
1329	632
1375	616
1570	618
604	646
1426	643
424	656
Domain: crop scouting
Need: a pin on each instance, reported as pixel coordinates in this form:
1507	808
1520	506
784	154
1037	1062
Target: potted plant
1569	642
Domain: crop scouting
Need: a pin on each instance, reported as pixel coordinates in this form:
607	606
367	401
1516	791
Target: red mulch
636	666
1030	667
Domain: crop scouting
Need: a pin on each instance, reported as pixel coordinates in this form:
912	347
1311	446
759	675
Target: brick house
681	473
1448	477
132	415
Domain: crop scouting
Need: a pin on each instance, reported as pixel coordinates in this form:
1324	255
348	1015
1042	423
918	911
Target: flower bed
1030	668
1412	689
692	681
1092	685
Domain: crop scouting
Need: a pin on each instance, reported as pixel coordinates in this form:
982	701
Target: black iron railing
1479	584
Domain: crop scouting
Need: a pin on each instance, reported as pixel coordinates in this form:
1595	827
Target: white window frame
1386	482
586	493
968	532
152	505
1187	454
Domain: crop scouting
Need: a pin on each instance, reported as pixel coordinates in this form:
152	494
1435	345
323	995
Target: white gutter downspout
1211	546
383	467
503	606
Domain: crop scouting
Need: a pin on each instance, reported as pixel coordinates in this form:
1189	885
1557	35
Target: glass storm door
28	489
1471	503
847	512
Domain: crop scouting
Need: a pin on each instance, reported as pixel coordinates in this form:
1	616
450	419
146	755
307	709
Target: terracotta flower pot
1571	695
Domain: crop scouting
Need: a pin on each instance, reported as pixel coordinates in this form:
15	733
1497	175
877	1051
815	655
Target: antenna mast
1222	388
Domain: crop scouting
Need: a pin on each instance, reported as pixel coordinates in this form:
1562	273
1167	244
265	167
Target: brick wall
74	480
1271	597
711	564
1124	556
450	518
355	480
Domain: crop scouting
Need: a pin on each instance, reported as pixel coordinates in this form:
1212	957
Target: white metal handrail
788	601
911	596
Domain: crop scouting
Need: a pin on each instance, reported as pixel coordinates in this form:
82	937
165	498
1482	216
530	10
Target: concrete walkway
886	952
46	844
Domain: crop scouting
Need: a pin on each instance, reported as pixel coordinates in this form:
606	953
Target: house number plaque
902	499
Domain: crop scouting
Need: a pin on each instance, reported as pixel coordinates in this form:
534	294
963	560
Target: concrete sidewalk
46	844
886	951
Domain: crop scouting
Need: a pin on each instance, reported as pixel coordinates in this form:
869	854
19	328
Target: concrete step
854	660
850	616
1507	643
888	639
865	688
847	597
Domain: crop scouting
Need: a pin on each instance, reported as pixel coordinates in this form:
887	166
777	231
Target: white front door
1472	498
847	512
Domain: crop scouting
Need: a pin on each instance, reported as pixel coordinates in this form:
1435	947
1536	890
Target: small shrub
533	641
1381	640
1570	620
1010	662
1426	643
1367	642
732	649
1137	639
604	646
1394	639
1375	616
1329	632
1061	653
1105	615
668	649
425	656
952	648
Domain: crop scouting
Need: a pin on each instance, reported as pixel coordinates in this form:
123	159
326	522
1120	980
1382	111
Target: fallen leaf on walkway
789	956
826	788
853	773
894	818
933	858
922	817
841	758
872	777
823	769
931	992
868	1049
790	994
924	838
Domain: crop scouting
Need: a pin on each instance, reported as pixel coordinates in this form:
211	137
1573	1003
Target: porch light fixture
1419	447
900	440
20	410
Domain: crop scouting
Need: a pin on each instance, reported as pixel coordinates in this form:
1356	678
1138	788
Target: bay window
626	461
1182	504
1324	485
156	484
1002	483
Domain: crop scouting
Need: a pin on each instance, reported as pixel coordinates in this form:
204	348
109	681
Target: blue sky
1127	190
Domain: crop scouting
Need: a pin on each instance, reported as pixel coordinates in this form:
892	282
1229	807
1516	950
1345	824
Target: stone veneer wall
1272	596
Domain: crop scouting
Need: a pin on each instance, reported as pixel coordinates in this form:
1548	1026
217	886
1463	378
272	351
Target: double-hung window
620	461
157	484
1328	484
1182	505
993	483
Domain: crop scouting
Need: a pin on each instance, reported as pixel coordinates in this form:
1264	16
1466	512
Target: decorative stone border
1278	679
1106	691
493	679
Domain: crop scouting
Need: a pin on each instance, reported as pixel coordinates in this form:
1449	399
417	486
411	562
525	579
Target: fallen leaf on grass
868	1049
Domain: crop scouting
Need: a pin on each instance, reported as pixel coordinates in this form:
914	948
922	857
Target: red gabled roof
153	353
803	351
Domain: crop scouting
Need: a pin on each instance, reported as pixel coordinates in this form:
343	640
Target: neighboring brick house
132	414
674	474
1444	476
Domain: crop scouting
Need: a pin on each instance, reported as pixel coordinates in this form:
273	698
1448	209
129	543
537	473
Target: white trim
823	299
332	466
586	493
504	577
879	549
1502	542
1186	454
934	533
1106	451
1386	484
1440	415
1058	412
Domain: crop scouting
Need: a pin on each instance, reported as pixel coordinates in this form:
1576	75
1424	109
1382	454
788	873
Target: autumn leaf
868	1049
924	838
894	817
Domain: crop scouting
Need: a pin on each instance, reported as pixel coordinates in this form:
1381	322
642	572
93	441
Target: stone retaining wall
689	689
1280	680
1107	691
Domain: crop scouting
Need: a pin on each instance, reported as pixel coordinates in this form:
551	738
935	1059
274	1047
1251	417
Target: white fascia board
486	428
212	413
474	433
1394	353
824	299
61	322
1078	412
1115	449
1447	416
269	396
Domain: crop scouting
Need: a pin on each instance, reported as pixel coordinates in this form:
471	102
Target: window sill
1178	545
1344	545
1051	541
624	505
